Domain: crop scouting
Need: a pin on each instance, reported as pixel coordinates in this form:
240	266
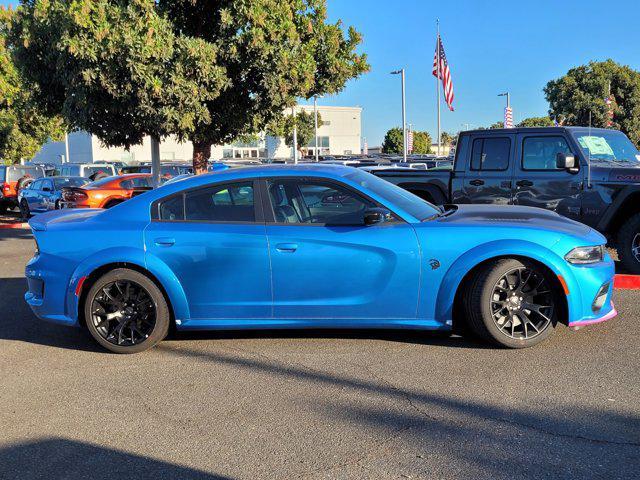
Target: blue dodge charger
313	247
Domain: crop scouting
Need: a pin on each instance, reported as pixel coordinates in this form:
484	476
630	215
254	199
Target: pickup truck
586	174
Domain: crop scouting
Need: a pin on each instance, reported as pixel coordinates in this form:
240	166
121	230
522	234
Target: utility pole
315	120
404	115
66	147
295	136
438	81
155	161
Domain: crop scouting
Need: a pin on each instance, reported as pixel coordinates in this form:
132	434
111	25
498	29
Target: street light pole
315	120
295	136
404	116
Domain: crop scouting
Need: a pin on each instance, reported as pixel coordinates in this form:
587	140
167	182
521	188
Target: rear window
61	182
88	171
490	154
140	182
16	173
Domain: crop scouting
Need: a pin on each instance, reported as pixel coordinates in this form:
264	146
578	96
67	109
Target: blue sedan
313	246
45	194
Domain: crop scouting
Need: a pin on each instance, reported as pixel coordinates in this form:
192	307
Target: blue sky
492	46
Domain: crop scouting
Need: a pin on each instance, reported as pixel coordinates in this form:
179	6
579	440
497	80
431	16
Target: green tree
536	122
582	92
116	69
497	125
305	126
203	70
23	128
421	142
274	51
446	139
393	141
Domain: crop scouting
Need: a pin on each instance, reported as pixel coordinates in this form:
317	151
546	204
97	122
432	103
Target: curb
14	225
627	282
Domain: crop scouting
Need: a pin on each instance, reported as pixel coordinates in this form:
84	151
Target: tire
628	244
124	320
56	205
3	207
496	305
24	210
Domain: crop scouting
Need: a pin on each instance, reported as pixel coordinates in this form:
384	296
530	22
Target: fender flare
615	207
502	248
137	257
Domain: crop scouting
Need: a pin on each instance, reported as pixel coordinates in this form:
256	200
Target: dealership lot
302	404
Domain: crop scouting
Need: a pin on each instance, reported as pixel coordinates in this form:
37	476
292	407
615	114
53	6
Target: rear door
328	268
32	195
538	183
45	195
488	176
213	239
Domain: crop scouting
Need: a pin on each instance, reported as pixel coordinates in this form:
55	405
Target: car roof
503	131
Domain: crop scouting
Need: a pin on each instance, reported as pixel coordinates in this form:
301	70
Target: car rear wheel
629	244
24	209
126	312
512	303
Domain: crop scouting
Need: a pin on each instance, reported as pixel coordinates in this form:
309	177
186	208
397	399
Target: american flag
445	73
609	101
508	117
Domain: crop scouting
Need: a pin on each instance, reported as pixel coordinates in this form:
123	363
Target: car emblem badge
435	264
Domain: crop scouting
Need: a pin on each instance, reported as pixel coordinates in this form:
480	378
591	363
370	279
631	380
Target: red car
106	192
12	179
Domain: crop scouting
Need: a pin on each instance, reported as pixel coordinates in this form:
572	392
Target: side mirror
376	216
565	162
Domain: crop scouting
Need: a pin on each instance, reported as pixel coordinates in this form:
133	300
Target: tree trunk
201	156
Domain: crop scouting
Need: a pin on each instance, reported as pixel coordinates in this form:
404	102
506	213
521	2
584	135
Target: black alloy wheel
126	312
512	303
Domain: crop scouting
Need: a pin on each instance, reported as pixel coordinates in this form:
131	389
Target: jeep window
16	173
606	146
490	154
539	153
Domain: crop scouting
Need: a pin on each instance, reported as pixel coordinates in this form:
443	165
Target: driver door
327	266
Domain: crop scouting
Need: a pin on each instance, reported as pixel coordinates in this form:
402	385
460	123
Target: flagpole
438	80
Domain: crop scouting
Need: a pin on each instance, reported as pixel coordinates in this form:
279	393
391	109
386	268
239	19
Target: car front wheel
126	312
512	303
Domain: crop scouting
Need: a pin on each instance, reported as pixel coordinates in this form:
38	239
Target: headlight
584	255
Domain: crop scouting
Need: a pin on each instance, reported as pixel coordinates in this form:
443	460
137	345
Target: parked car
106	192
166	170
46	194
88	170
13	178
313	246
588	175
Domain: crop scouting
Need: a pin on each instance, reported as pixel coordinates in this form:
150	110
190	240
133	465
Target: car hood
605	172
488	216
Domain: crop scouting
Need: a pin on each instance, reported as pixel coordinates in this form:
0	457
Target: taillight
73	196
6	187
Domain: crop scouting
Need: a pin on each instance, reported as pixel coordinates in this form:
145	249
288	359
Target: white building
339	134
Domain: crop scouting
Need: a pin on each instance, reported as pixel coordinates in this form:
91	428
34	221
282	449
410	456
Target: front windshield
607	146
410	203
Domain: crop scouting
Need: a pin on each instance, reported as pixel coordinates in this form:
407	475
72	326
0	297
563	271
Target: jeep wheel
512	303
628	244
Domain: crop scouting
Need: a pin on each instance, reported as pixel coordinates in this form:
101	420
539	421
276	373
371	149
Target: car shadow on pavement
18	323
489	438
61	458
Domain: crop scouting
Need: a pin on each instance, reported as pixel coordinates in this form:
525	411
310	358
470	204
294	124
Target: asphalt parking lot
308	405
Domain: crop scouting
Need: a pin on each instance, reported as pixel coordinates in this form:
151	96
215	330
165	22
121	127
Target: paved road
301	405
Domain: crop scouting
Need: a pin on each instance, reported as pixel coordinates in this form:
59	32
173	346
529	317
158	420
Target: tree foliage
536	122
446	138
305	128
204	70
23	128
582	91
393	141
496	125
421	142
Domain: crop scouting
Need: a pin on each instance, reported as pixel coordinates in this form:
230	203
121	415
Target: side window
47	184
490	154
172	209
37	185
312	202
539	153
221	203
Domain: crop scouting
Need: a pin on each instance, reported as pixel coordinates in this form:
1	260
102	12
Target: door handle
287	247
476	183
164	241
524	183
